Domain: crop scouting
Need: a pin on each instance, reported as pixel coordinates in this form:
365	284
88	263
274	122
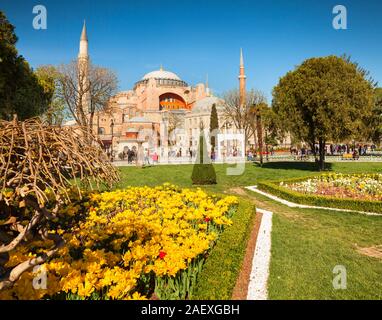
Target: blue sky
199	37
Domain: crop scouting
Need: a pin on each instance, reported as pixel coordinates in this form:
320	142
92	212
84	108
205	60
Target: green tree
268	126
48	77
324	99
272	123
203	172
214	126
20	90
378	95
373	124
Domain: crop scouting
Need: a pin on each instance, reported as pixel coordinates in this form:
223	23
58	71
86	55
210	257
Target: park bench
349	156
301	158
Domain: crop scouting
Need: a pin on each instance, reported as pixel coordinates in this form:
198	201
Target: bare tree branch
39	164
86	89
242	118
175	121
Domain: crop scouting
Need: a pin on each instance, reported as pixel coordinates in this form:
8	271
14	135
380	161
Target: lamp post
259	127
112	138
266	146
98	124
164	131
140	152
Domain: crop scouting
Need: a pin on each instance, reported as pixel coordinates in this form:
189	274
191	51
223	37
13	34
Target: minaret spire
84	36
83	67
207	87
242	80
83	43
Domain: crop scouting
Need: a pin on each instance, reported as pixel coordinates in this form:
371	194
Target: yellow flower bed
130	244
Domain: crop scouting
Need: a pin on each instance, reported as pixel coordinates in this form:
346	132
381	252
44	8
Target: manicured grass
306	248
306	244
181	174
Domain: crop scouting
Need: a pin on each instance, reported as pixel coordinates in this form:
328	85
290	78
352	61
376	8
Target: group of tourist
149	158
334	150
301	153
342	149
177	153
128	154
252	153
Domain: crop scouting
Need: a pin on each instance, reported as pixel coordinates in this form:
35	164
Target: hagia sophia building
159	100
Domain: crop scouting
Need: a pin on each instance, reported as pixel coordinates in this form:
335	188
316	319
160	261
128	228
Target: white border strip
295	205
258	280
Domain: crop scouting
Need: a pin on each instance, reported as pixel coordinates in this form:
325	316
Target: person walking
303	153
155	158
147	157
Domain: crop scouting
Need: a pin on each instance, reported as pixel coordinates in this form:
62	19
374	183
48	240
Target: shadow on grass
285	165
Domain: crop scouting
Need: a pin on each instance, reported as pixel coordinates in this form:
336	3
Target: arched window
101	130
170	101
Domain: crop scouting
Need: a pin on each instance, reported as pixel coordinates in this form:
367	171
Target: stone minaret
242	80
208	92
83	69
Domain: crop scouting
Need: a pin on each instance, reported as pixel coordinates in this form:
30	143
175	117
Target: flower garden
136	243
358	192
355	186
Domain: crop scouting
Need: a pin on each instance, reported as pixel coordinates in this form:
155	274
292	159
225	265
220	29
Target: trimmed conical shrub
203	172
214	126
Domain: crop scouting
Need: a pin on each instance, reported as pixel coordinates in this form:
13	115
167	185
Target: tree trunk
322	154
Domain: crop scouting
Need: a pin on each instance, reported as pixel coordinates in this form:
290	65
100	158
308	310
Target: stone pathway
296	205
258	281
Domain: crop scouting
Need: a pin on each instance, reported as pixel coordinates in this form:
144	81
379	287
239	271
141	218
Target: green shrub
203	172
218	277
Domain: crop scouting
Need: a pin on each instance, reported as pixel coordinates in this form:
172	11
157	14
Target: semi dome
160	74
205	105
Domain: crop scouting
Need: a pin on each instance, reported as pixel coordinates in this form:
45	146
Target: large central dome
162	78
161	74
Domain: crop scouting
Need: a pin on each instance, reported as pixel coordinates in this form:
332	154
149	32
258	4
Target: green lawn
181	174
306	244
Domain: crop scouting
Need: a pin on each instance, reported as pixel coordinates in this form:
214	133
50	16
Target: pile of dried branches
39	164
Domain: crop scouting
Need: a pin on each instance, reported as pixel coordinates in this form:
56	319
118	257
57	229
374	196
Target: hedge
274	188
222	268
